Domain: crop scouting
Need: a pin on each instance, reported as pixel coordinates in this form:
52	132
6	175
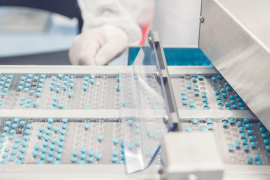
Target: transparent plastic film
143	108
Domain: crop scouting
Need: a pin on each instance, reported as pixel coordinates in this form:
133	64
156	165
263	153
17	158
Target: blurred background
40	32
43	30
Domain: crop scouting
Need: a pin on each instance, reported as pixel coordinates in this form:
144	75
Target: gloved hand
98	46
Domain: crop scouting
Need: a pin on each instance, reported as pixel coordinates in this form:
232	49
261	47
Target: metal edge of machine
234	35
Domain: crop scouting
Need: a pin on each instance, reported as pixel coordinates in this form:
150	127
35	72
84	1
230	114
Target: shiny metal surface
235	37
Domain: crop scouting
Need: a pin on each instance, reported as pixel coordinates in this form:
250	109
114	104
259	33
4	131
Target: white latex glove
97	46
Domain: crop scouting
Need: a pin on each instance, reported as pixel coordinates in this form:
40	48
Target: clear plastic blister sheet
143	108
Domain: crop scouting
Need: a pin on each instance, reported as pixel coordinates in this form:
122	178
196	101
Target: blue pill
194	78
241	129
57	156
231	147
194	120
150	134
251	138
239	123
268	147
218	97
237	144
250	132
37	94
184	102
130	122
214	79
217	92
100	137
209	120
82	156
130	145
57	90
250	160
65	82
229	88
115	140
10	137
210	126
221	105
37	146
266	141
203	95
64	126
86	125
64	87
233	101
3	134
41	161
260	124
22	150
35	153
60	76
219	101
61	138
248	126
24	143
63	132
192	108
253	144
49	159
98	156
59	150
114	159
243	135
14	125
232	120
45	144
246	147
64	120
90	159
7	149
203	128
36	78
183	92
188	85
49	126
75	153
262	129
55	98
51	87
46	137
90	153
71	85
92	80
244	141
60	106
137	130
17	140
188	129
52	147
5	128
264	135
13	152
4	156
60	143
54	78
246	121
257	157
20	156
69	94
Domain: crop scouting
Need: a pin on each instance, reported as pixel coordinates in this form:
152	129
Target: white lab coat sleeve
97	13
